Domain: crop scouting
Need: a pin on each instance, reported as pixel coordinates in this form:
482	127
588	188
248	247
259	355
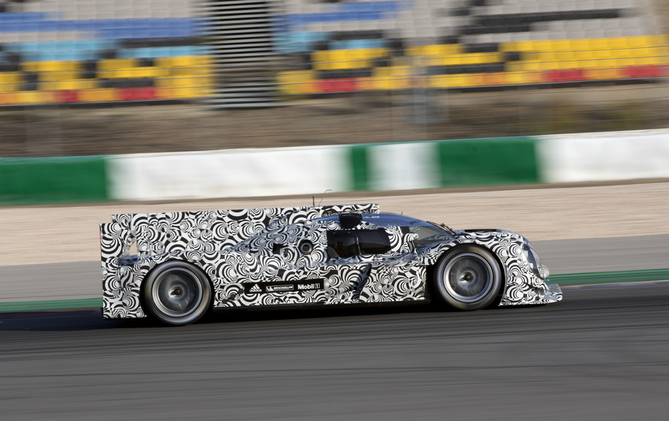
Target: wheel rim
468	277
177	292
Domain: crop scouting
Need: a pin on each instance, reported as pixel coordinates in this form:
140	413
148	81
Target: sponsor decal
283	286
280	288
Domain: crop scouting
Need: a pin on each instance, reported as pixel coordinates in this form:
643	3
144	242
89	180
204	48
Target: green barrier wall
52	180
452	163
360	168
484	162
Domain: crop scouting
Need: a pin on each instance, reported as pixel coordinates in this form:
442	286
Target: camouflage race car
190	262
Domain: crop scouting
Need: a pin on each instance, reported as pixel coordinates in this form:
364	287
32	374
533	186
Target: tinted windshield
428	233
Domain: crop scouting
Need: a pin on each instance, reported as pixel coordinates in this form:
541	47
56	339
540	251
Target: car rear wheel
176	293
468	277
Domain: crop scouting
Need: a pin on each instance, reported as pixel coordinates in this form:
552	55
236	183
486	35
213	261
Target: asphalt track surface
76	280
600	354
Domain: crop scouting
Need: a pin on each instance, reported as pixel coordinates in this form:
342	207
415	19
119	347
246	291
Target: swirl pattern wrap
283	256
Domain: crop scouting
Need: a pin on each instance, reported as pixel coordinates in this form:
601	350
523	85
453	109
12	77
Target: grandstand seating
479	43
129	50
98	51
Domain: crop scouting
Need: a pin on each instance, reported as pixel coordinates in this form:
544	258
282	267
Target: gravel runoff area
57	234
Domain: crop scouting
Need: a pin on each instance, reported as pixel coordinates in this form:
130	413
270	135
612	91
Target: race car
188	263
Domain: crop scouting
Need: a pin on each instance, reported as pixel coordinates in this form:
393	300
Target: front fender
521	285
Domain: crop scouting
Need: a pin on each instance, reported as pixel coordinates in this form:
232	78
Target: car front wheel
176	293
468	277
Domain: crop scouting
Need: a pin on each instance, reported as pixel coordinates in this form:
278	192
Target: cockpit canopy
349	242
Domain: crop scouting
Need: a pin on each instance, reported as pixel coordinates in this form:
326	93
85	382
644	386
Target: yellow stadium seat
564	65
654	40
153	72
551	65
57	76
618	43
327	60
338	59
438	81
491	79
649	61
507	46
434	61
564	55
477	79
644	52
121	73
481	58
185	82
546	45
296	82
9	87
659	51
184	92
321	59
634	42
164	82
599	44
434	50
453	60
391	82
546	56
600	54
416	50
117	63
607	63
29	97
380	83
30	66
514	66
462	80
525	46
562	45
165	62
204	60
359	58
393	71
531	66
589	64
581	55
382	52
517	78
9	81
184	61
163	92
453	49
59	66
580	45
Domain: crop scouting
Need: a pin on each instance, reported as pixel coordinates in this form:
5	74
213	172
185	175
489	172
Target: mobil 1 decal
283	286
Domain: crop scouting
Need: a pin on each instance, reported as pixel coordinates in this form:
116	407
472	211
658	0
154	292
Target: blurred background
97	77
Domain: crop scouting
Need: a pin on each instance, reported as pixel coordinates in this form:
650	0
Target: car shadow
91	319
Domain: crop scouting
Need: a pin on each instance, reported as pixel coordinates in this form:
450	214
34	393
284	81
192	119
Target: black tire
176	293
468	278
